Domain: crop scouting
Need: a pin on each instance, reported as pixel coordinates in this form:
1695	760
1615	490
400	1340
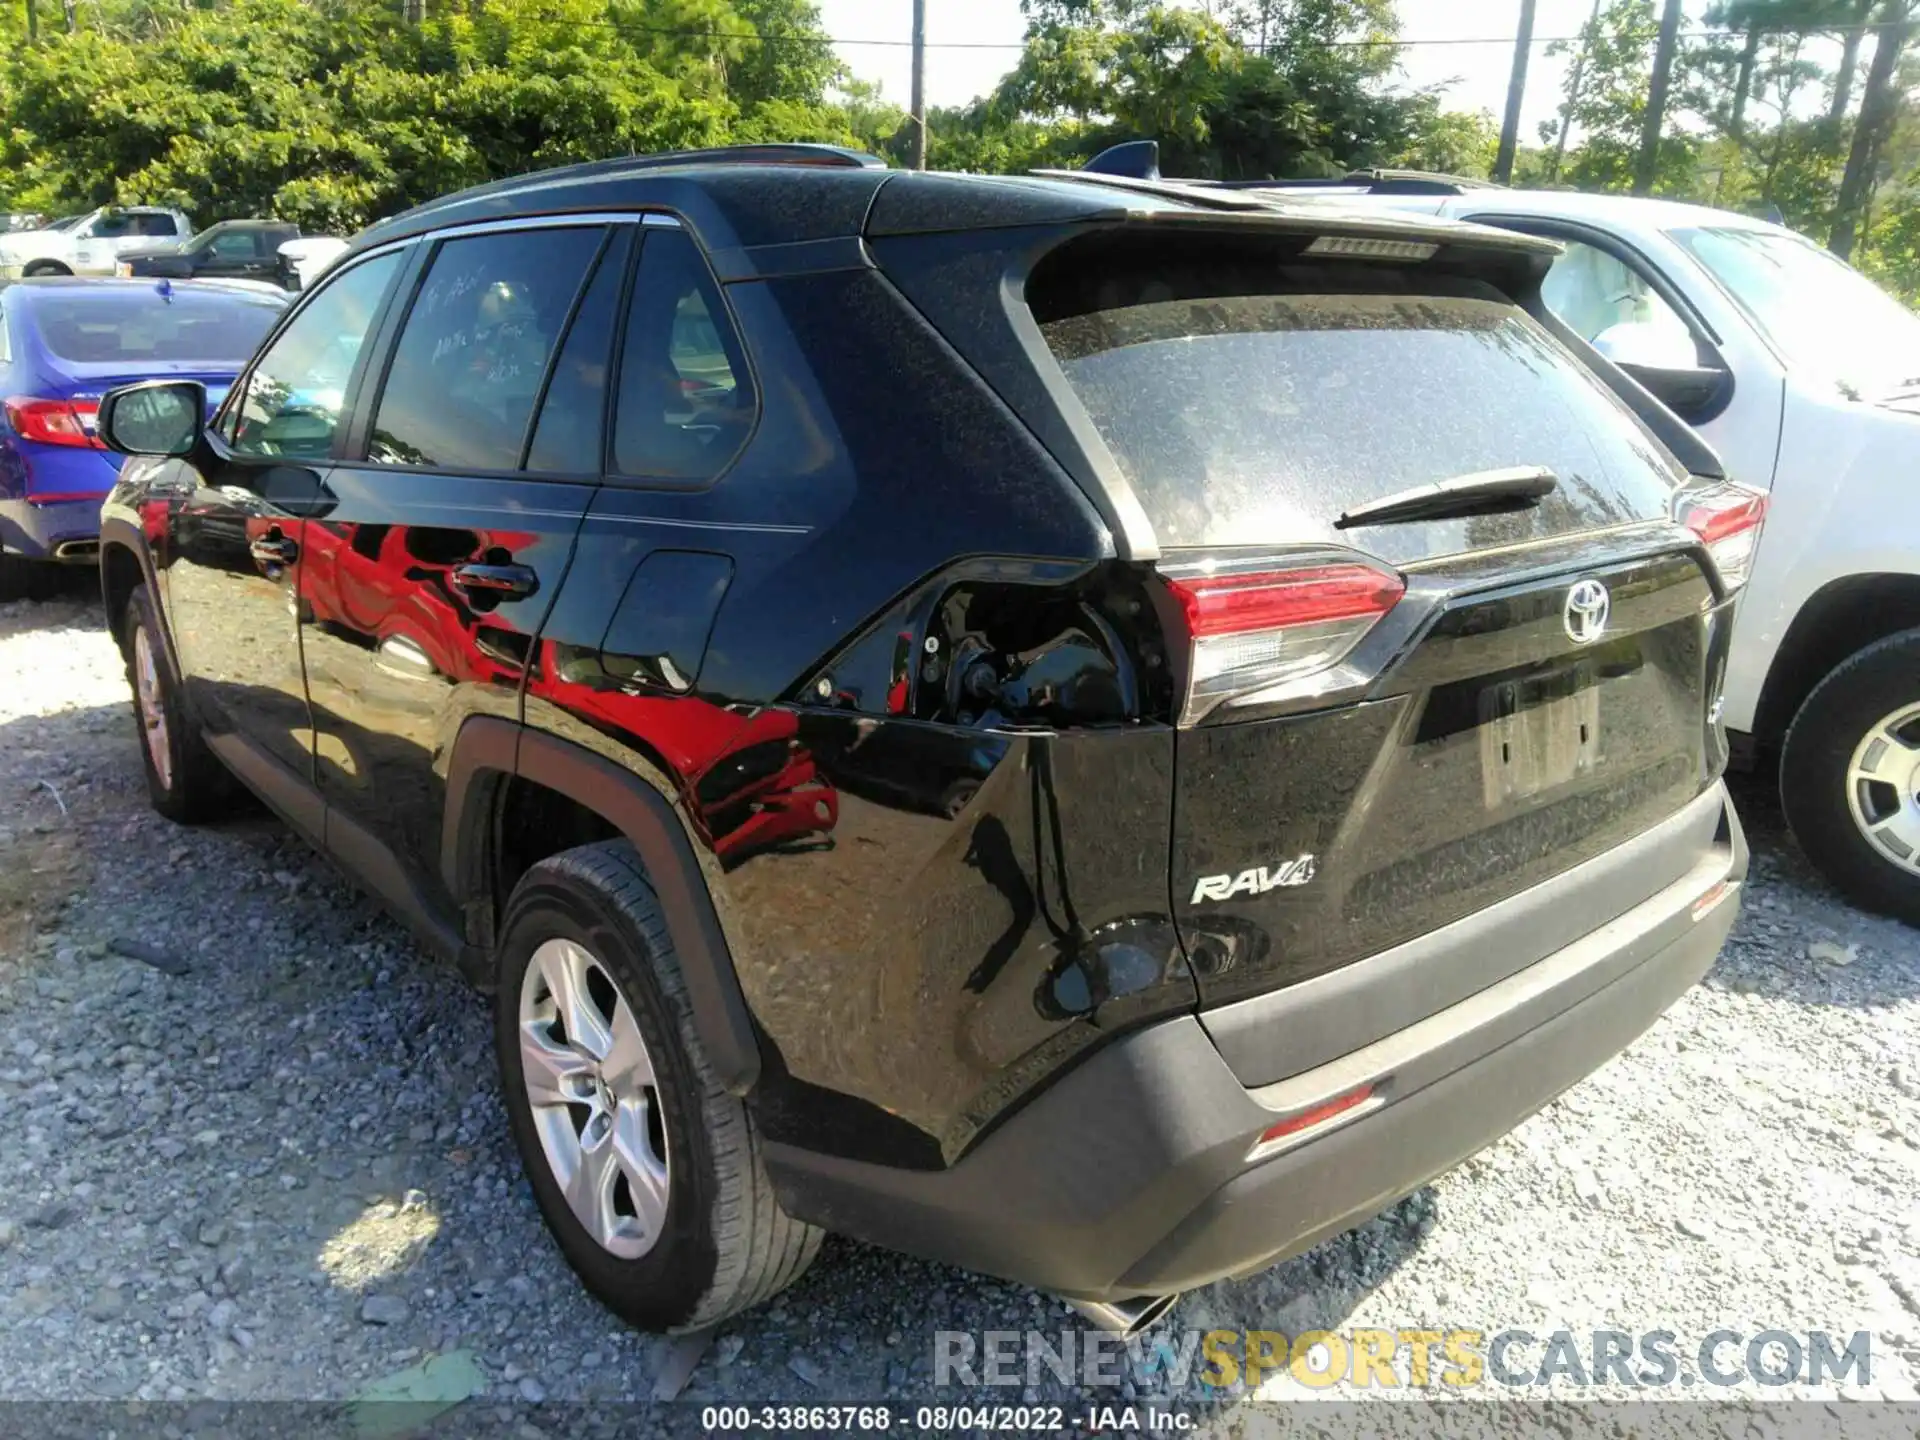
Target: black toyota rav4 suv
1098	731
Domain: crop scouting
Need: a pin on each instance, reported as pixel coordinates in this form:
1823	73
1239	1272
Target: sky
971	43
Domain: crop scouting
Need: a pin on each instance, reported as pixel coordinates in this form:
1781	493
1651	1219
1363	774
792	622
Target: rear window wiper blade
1484	492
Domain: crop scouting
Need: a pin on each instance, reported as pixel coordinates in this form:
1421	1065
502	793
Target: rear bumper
41	531
1129	1176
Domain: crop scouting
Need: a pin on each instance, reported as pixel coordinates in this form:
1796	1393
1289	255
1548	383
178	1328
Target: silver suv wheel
1883	786
590	1085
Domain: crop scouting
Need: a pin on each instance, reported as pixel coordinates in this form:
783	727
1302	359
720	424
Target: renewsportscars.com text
1200	1360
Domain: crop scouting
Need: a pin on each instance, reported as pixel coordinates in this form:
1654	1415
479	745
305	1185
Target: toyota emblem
1588	605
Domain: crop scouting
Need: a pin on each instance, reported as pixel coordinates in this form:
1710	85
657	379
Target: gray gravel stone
1776	1109
384	1310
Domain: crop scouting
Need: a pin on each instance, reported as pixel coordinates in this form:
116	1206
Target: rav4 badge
1253	882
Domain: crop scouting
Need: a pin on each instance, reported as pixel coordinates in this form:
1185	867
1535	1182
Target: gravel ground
284	1172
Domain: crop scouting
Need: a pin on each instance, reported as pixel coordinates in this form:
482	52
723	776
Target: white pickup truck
89	244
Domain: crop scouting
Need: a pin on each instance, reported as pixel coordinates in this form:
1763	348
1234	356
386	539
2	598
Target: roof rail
1378	181
793	153
1140	160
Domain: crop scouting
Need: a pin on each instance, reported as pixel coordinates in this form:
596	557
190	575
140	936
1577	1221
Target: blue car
63	344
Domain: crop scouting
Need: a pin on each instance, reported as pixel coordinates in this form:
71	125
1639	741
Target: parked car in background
15	220
63	342
1228	740
1805	377
231	250
89	244
303	261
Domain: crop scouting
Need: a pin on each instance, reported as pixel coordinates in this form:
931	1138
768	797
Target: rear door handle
505	581
274	549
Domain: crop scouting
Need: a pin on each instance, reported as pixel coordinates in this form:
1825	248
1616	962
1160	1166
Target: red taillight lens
54	422
1253	630
1727	519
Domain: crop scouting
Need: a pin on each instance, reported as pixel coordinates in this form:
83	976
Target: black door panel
237	520
399	652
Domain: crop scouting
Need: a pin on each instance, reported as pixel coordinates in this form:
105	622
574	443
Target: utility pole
1647	164
919	84
1516	93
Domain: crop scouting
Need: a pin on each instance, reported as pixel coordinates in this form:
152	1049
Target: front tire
1850	776
647	1171
184	781
45	267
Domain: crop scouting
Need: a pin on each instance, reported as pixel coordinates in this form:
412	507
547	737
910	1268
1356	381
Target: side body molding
488	751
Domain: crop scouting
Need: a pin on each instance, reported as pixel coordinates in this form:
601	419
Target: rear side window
474	349
573	414
685	400
1259	418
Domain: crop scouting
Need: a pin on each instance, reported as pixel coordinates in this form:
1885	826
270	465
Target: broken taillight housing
1727	518
1251	629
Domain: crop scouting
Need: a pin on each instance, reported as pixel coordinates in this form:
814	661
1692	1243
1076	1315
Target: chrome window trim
566	221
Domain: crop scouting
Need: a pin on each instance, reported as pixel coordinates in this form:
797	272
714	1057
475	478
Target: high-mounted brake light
1728	520
1371	247
54	422
1253	630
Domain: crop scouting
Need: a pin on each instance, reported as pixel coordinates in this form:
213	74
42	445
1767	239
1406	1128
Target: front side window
298	389
231	245
685	400
158	227
474	350
1592	291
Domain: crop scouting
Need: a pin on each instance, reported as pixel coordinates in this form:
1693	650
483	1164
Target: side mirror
1666	363
155	417
1639	342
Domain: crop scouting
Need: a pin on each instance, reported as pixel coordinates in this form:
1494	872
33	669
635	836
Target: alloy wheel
594	1099
152	705
1883	787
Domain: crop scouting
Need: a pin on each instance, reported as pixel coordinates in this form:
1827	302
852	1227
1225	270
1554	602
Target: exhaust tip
77	550
1126	1318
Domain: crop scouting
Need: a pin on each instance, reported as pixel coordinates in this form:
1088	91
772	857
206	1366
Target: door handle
514	582
274	548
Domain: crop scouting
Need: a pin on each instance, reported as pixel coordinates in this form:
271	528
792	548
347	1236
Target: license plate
1537	734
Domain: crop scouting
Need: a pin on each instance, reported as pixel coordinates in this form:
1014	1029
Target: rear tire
1850	776
699	1235
185	782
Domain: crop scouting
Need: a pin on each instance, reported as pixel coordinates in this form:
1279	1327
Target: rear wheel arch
121	573
491	758
1836	622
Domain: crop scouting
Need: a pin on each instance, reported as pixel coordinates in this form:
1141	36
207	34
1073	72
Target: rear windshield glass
221	329
1258	419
